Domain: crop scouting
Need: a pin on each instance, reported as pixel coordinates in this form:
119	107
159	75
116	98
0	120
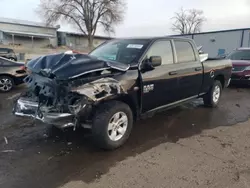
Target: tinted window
3	50
125	50
184	51
240	55
163	49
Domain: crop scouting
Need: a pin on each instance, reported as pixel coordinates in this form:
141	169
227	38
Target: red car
241	66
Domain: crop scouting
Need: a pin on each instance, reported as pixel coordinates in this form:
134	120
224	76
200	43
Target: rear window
4	50
240	55
184	51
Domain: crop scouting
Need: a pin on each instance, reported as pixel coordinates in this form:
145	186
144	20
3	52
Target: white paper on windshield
137	46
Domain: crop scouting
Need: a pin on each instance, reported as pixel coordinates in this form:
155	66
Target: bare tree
188	21
86	15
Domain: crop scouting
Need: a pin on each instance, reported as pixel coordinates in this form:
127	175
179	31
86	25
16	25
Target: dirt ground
189	146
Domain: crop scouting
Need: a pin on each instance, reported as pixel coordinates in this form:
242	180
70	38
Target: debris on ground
6	140
50	158
8	151
13	96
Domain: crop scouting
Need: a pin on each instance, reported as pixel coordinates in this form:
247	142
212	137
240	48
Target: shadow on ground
46	157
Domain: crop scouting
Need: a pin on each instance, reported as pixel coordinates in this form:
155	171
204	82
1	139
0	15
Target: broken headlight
76	104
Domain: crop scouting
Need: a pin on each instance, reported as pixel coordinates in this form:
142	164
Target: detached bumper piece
27	108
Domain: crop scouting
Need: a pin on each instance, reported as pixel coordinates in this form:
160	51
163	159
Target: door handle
172	73
198	69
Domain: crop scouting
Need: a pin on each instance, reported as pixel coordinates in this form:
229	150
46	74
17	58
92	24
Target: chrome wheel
117	126
216	94
6	84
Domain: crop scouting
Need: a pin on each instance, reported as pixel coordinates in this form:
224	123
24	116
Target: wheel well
9	75
221	79
131	103
125	99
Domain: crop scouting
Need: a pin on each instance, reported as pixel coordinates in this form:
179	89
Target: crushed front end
51	102
58	96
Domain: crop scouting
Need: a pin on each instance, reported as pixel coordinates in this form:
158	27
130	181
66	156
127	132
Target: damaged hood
68	66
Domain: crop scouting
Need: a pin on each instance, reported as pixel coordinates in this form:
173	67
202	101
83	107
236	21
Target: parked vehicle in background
11	74
241	66
119	82
8	54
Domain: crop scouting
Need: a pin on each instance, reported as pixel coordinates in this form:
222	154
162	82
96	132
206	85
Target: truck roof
153	38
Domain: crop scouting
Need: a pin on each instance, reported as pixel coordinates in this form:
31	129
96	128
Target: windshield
240	55
125	51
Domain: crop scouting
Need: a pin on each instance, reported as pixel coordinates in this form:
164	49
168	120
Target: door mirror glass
151	63
155	61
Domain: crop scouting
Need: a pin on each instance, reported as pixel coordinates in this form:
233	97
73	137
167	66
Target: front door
159	85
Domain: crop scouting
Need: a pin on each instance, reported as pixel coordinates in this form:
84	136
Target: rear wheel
112	125
6	83
212	98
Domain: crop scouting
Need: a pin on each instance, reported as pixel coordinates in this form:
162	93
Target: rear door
160	84
190	69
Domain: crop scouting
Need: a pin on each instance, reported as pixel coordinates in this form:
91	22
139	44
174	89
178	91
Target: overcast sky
152	17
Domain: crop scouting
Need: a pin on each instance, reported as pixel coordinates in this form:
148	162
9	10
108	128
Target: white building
217	43
26	33
77	40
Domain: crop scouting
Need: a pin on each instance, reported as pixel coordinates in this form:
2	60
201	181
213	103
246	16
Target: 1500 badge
148	88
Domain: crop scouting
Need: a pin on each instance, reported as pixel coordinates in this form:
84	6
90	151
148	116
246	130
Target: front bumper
27	108
19	79
240	81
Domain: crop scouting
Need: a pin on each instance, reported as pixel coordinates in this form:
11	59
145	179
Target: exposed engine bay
63	88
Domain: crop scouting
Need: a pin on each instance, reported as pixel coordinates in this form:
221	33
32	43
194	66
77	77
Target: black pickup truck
117	83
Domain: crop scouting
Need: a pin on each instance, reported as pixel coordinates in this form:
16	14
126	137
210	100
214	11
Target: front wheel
112	125
212	98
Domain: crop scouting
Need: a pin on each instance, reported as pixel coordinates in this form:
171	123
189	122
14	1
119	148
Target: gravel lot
189	146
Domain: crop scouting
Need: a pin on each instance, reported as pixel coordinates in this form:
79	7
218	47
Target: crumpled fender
101	89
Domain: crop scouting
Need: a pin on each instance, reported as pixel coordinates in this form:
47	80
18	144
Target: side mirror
151	63
155	61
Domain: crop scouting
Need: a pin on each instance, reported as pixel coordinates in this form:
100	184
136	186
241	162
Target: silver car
11	74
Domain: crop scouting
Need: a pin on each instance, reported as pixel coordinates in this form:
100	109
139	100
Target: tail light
22	68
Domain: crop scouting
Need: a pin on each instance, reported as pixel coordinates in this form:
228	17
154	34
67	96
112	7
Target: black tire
101	120
209	99
9	87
